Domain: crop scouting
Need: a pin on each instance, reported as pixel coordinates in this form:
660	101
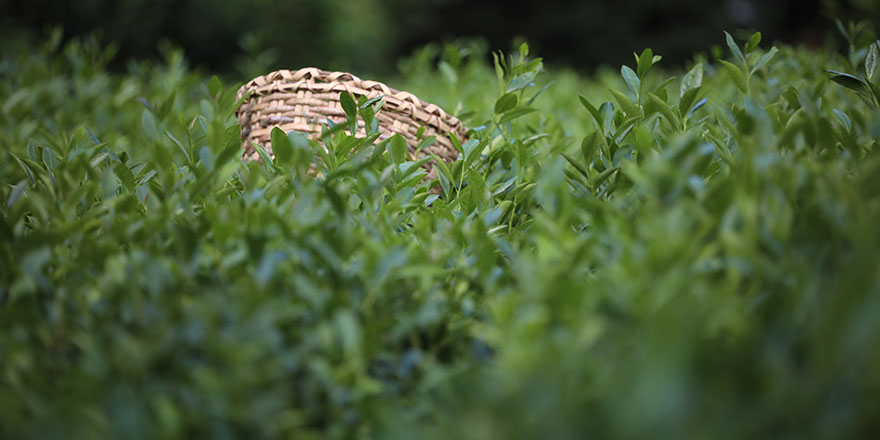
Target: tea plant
620	257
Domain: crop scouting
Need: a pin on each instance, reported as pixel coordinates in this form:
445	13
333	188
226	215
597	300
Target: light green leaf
692	80
149	124
215	87
871	60
16	193
737	53
521	82
764	59
753	43
515	113
207	157
631	78
505	103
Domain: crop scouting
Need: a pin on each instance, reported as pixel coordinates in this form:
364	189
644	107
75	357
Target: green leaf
696	107
521	82
764	59
737	75
397	149
370	102
109	184
631	78
92	137
664	108
687	100
844	119
862	88
16	193
148	121
455	142
125	176
603	176
593	110
734	49
444	171
589	147
282	146
215	87
538	93
753	43
692	80
207	157
516	113
267	159
348	105
576	165
499	70
505	103
178	144
625	103
871	60
50	159
426	142
645	61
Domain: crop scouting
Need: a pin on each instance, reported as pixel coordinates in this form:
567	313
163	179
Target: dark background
368	36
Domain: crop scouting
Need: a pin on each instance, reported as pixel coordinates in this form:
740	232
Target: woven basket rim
284	80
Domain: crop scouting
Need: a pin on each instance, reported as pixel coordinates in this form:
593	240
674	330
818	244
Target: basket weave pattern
305	99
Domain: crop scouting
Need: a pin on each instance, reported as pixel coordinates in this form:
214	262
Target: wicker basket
303	100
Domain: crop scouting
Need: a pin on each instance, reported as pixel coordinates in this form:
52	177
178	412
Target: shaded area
368	36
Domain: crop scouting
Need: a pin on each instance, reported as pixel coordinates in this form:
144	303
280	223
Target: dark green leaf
282	146
645	61
348	105
397	149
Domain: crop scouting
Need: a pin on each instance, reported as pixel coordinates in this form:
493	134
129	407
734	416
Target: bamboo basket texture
303	100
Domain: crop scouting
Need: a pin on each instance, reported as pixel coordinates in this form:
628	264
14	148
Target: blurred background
369	36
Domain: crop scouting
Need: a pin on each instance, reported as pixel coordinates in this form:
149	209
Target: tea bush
690	256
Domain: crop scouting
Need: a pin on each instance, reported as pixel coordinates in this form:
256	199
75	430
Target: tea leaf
631	78
692	80
737	75
734	49
397	149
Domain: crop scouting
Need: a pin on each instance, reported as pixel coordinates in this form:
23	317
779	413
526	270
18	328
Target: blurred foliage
626	256
368	36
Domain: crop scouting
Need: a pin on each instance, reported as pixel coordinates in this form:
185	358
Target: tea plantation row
691	257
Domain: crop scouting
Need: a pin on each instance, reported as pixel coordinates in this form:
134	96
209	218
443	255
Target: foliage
692	257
